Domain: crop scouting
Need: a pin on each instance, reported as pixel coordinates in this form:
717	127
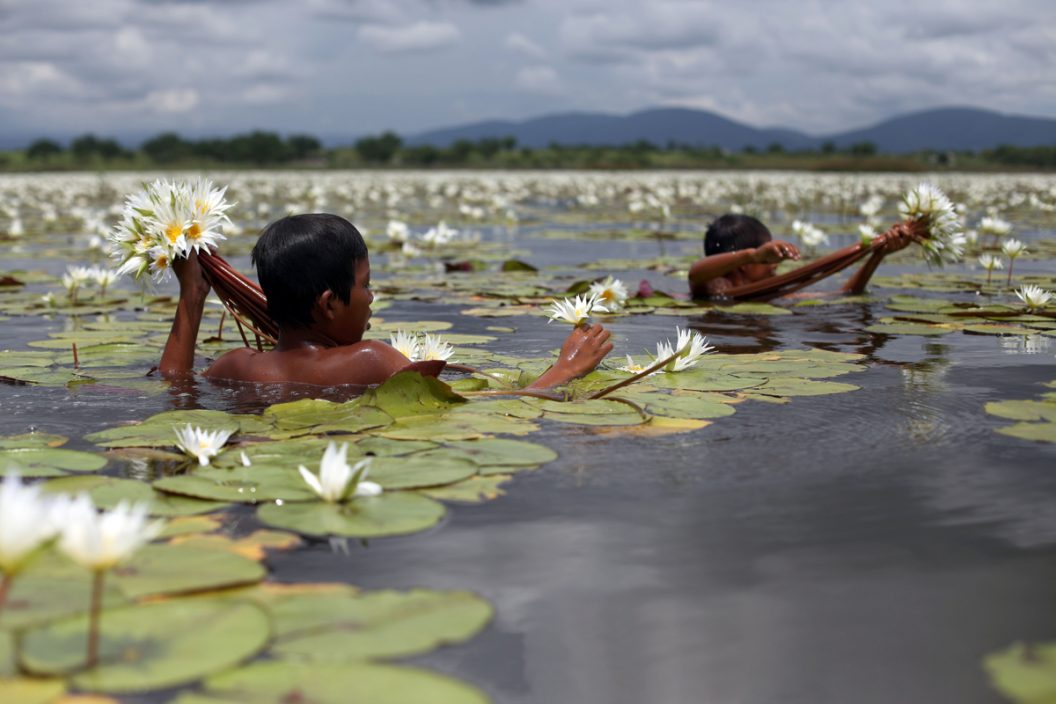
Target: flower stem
989	273
1011	263
93	619
5	587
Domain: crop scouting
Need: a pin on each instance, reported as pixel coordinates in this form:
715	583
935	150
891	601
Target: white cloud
172	100
539	79
523	45
417	37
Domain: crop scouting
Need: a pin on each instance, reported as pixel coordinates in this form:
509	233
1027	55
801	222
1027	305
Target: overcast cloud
130	68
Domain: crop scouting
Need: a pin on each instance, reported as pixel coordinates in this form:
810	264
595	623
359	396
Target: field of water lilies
154	536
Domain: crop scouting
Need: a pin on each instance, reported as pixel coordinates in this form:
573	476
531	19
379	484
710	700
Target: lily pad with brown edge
908	329
391	513
1024	672
25	441
801	387
319	416
695	405
597	412
997	330
149	646
474	490
42	376
189	525
159	430
375	624
384	447
107	492
253	546
281	681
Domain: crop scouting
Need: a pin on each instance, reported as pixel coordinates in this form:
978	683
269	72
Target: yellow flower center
194	231
173	232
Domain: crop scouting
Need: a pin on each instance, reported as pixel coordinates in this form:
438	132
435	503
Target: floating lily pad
392	513
908	329
107	492
26	441
430	468
44	462
802	387
1025	673
281	682
178	569
383	624
504	452
248	485
149	646
410	394
464	426
474	489
24	690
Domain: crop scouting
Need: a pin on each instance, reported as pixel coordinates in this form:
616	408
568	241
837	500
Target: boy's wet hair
730	233
301	256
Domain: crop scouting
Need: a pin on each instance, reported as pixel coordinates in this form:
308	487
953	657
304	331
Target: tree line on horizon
269	149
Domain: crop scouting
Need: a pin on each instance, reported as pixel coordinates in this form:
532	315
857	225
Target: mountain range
941	129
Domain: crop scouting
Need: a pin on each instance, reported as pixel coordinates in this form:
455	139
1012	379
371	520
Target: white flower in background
872	205
434	347
810	235
995	226
439	235
1034	296
610	292
25	523
867	233
16	228
95	243
406	343
103	278
337	481
201	444
1013	248
99	541
944	240
575	310
971	237
409	250
398	231
990	262
49	299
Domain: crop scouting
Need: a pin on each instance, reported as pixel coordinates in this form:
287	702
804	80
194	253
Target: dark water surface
863	547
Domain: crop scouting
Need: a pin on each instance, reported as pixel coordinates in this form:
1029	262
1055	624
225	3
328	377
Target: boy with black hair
739	250
315	272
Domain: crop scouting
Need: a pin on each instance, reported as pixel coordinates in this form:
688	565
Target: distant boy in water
739	250
315	273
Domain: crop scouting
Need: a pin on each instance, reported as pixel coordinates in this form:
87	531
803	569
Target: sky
336	68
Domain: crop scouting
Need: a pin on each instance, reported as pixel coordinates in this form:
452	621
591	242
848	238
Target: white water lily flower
337	481
49	299
244	458
636	368
990	262
406	343
610	292
201	444
99	541
1034	296
434	347
930	208
398	231
995	226
691	346
1013	248
25	522
867	233
575	310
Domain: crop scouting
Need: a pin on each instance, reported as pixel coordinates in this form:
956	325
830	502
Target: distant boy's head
301	257
730	233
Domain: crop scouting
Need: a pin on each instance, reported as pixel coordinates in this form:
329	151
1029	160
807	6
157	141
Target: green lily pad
464	426
681	406
149	646
1038	432
504	452
318	416
26	441
802	387
49	589
158	430
281	682
410	394
392	513
24	690
1023	410
42	462
342	628
42	376
107	492
248	485
1025	673
908	329
430	468
179	569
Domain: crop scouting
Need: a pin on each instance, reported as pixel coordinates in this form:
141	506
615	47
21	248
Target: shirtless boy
315	273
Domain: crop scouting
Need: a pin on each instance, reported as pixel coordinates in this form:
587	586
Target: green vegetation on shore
260	149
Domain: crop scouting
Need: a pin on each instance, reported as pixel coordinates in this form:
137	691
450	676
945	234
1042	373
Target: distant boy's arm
178	356
898	237
717	265
584	348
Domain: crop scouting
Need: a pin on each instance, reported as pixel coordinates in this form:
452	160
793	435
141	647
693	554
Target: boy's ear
324	305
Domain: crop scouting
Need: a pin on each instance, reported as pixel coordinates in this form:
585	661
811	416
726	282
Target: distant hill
939	129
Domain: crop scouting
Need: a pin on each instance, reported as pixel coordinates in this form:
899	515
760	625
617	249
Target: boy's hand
189	273
775	251
584	348
898	237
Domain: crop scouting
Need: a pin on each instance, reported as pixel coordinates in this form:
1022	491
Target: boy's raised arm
710	268
178	357
584	348
898	237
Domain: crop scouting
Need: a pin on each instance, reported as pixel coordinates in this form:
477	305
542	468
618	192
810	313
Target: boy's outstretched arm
584	348
178	357
897	238
708	269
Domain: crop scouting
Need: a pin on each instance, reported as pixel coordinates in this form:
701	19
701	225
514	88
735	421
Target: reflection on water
1026	344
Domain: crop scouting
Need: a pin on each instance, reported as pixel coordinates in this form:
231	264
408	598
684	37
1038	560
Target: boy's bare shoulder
365	362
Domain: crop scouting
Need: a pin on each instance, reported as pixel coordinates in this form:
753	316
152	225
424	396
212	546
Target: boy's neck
302	338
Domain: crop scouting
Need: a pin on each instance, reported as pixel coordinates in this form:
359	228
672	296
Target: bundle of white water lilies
165	221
